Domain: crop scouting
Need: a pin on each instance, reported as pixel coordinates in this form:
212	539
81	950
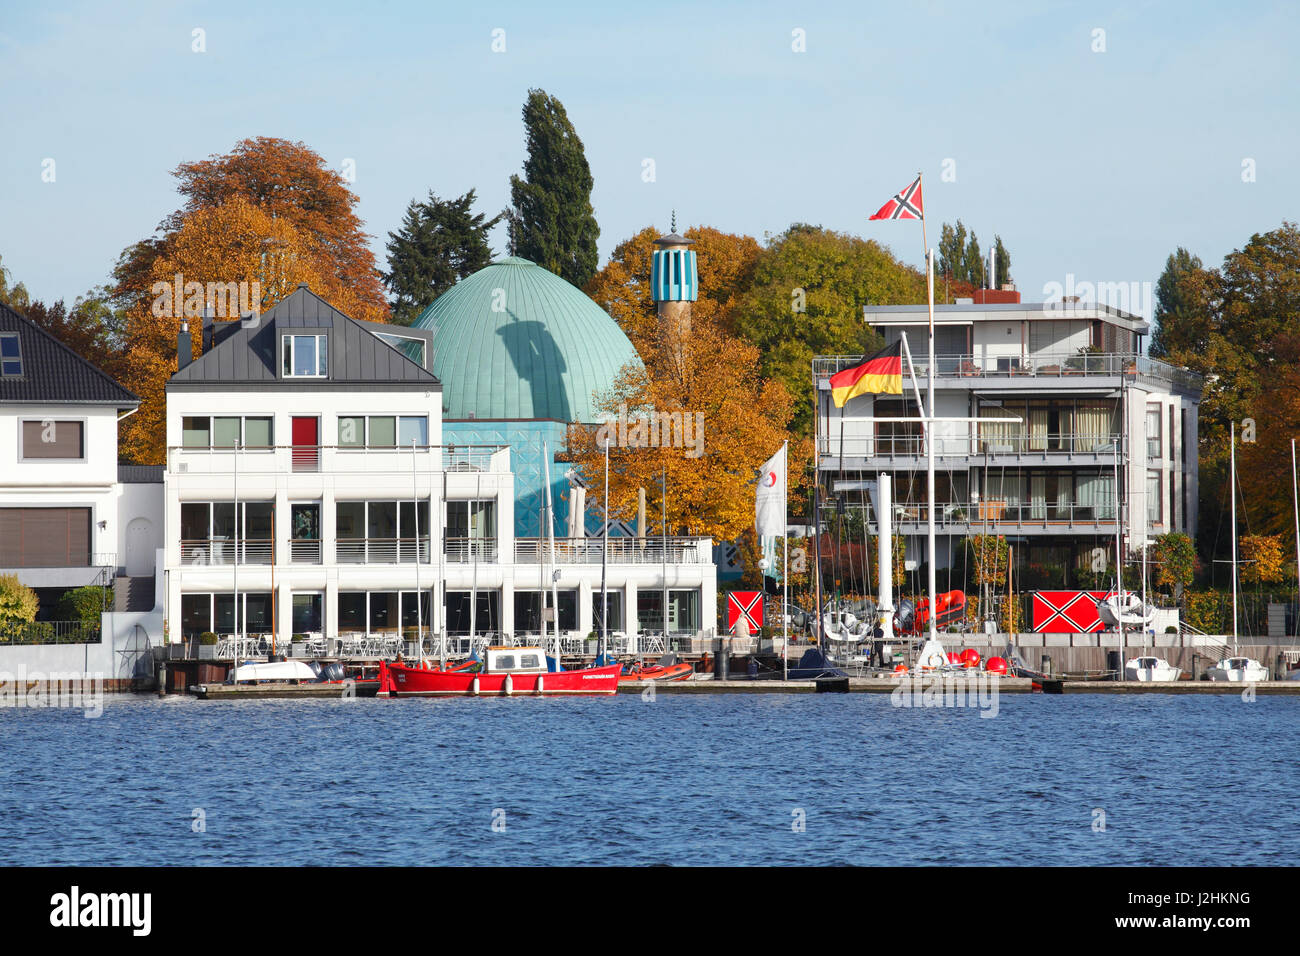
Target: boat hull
646	675
398	680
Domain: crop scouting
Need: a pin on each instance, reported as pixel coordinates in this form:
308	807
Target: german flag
882	374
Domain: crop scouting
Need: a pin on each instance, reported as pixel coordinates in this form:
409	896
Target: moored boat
1239	669
1155	669
639	673
506	671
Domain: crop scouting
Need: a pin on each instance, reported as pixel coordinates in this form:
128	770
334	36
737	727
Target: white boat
1244	670
1127	609
843	625
1155	669
278	671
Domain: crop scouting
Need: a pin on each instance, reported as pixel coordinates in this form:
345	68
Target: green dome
516	341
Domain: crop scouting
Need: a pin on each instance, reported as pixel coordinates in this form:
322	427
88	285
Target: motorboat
1155	669
1238	669
280	672
913	616
667	669
1126	609
505	671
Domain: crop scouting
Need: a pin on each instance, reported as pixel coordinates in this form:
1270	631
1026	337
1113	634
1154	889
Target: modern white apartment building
309	491
1064	397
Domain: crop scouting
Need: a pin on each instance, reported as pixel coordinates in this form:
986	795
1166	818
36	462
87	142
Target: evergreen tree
440	241
1002	261
1181	313
952	251
551	220
973	268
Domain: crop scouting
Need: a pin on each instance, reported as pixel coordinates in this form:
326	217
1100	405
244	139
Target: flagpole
929	443
785	565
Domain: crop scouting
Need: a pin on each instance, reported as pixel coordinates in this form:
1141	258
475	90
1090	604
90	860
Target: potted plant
207	646
593	643
298	647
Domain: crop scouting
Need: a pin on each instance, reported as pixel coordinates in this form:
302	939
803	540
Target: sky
1093	138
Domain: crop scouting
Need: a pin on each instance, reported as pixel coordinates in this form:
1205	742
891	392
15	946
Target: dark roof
244	352
52	372
139	474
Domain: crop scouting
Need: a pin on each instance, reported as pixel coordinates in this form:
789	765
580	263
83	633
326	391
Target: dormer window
306	356
11	356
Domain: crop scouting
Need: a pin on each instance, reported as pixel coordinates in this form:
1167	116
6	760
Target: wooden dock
705	684
270	691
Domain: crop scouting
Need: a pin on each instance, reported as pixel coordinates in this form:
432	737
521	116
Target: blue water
682	780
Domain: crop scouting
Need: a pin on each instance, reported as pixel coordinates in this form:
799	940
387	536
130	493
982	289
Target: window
615	609
306	356
11	356
1155	509
528	611
54	440
307	615
412	348
383	532
378	611
44	537
471	530
226	431
1153	432
208	532
383	431
216	613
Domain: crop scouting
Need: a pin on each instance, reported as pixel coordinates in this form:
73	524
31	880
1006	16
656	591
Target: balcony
1041	367
1003	517
382	550
337	459
1021	449
222	551
305	551
650	551
468	550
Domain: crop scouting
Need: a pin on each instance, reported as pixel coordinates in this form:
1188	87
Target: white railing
1024	445
223	551
469	550
381	550
622	550
338	459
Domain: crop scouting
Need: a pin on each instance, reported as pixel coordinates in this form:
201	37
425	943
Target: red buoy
970	657
996	665
954	657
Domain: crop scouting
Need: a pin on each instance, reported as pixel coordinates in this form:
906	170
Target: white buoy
508	686
473	686
539	684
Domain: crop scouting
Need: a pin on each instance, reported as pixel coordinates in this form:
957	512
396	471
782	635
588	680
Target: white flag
769	500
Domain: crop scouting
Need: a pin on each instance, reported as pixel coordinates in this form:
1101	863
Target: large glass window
528	611
413	429
1153	432
383	431
487	616
307	613
684	610
226	431
11	356
1155	504
615	605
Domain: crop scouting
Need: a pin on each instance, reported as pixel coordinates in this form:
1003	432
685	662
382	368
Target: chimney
184	347
209	329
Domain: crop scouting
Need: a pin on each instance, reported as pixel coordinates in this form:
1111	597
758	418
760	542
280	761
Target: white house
309	491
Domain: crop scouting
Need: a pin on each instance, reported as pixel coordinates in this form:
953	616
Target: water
682	780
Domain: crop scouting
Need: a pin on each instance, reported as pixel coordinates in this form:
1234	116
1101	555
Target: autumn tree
439	242
741	422
12	294
269	213
810	285
1261	559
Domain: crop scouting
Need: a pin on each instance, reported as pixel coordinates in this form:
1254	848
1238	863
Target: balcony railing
337	459
1000	516
305	551
1043	365
223	550
469	550
50	632
621	551
1041	447
382	550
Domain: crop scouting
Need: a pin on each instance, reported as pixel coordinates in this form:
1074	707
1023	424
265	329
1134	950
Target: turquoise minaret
674	283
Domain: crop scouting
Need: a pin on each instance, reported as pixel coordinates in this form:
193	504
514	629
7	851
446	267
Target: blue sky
1096	164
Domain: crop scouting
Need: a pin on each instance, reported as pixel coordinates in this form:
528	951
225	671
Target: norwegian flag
906	205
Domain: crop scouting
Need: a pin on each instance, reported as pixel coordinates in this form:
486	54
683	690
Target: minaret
673	282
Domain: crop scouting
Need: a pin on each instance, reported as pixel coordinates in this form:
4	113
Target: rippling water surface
683	780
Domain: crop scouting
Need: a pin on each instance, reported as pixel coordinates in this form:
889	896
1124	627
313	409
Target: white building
69	515
309	489
1060	389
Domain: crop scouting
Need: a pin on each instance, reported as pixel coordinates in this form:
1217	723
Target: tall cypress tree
440	241
551	220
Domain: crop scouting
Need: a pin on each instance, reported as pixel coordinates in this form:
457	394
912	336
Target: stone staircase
133	593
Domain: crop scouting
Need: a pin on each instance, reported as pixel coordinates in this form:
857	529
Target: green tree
18	602
1181	310
551	220
951	264
809	288
973	268
14	296
1002	262
440	241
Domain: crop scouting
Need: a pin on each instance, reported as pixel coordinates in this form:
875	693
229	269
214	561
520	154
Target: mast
235	570
440	586
816	512
1232	490
929	441
419	596
550	534
664	545
785	566
604	561
1295	494
1119	566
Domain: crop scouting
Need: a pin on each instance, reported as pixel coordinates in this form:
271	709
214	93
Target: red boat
637	673
507	671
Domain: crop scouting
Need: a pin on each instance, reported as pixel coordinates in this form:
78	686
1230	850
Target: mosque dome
515	341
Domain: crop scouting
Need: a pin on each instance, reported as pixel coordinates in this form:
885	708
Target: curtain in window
1038	496
996	433
1092	427
1037	429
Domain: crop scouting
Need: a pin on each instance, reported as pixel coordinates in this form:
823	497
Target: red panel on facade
1067	612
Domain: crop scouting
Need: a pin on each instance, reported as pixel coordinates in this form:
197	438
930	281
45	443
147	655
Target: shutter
52	439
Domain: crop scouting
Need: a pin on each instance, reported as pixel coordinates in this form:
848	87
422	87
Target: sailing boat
1234	667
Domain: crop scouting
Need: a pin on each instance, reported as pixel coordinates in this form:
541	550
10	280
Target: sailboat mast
1232	490
1119	561
929	447
1295	494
